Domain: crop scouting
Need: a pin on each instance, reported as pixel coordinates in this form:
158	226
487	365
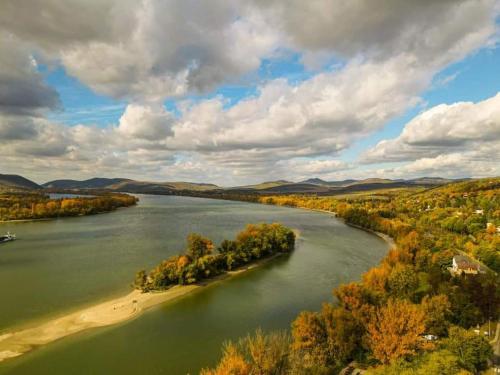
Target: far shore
14	344
388	239
27	220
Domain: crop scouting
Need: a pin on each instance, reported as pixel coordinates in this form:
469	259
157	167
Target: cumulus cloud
146	122
150	49
381	28
456	140
443	129
387	53
22	90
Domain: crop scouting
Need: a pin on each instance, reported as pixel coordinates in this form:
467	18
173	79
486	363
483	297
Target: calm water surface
62	265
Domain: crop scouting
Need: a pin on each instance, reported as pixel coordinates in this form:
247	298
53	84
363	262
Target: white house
462	264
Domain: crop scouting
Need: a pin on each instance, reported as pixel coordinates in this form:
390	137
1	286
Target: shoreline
388	239
118	310
61	217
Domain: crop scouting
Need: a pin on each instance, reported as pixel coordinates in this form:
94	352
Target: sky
244	91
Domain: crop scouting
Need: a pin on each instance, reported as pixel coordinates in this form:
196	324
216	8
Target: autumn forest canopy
408	315
33	205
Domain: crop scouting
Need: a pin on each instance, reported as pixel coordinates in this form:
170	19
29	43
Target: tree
436	310
232	363
441	362
268	353
402	281
343	331
227	246
258	354
140	280
472	350
198	246
395	329
309	339
352	296
376	278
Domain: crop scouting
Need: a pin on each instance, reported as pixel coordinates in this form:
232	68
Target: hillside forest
409	315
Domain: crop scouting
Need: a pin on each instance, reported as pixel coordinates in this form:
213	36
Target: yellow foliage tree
232	363
395	330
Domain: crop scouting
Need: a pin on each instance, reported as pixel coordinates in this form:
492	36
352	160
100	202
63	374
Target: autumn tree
376	278
268	354
357	299
437	311
309	339
198	246
343	332
402	281
232	363
395	330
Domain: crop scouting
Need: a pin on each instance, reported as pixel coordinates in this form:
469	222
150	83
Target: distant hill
435	180
322	187
127	185
319	181
309	186
16	181
263	185
93	183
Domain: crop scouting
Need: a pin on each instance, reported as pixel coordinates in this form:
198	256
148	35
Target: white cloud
146	122
443	129
389	52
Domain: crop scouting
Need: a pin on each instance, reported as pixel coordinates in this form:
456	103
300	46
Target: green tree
403	281
441	362
472	350
140	280
198	246
437	311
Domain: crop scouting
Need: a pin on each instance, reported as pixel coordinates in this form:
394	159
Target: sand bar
13	344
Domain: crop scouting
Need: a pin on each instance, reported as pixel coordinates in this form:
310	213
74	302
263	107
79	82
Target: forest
28	206
408	315
202	260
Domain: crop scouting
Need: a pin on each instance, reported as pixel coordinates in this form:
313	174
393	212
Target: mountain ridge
313	185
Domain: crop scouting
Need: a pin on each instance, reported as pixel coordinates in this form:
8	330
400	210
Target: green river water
63	265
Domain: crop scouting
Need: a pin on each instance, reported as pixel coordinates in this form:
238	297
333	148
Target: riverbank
388	239
14	344
28	220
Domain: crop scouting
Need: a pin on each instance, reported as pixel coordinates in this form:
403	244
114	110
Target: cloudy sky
242	91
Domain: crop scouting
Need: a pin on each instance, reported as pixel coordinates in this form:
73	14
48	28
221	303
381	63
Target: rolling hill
13	181
309	186
93	183
127	185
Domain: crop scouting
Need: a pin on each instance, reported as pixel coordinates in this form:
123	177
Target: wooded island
202	260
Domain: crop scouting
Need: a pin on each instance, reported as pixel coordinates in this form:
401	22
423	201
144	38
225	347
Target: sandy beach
13	344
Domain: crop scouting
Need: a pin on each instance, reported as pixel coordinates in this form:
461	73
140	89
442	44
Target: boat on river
7	237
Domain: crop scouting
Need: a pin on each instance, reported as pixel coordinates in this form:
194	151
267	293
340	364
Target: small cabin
464	265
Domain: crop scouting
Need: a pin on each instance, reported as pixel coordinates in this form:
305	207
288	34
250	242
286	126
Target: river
62	265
